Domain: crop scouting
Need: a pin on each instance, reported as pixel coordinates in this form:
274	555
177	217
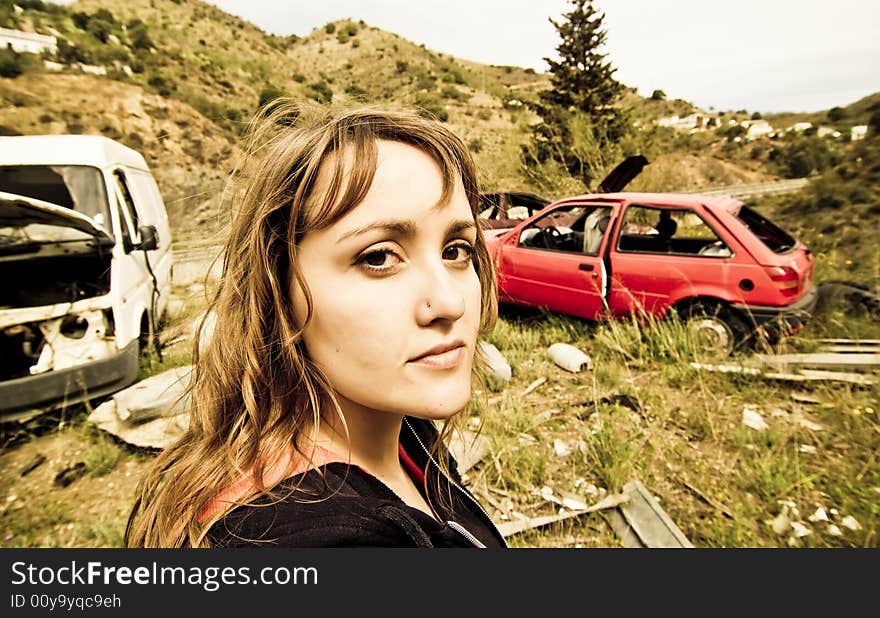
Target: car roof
93	150
722	202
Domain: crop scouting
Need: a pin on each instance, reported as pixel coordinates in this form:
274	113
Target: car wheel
715	330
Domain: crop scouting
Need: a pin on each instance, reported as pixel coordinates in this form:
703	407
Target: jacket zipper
456	526
464	532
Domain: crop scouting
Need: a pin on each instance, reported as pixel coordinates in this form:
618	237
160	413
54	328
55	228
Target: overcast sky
761	55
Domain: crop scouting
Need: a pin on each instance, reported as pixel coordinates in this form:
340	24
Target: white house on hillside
858	132
759	128
27	42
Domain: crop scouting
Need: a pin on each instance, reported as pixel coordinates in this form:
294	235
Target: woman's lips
444	360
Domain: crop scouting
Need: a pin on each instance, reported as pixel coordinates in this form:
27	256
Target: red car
724	267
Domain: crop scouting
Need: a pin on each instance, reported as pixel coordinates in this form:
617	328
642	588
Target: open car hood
623	174
20	211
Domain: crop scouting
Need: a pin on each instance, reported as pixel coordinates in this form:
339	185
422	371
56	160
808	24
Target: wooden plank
628	536
515	527
857	342
817	375
840	348
837	362
649	521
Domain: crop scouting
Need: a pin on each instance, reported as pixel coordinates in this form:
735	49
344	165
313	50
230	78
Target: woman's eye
378	261
458	252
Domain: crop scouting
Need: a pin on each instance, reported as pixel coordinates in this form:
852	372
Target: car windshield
776	239
29	238
78	187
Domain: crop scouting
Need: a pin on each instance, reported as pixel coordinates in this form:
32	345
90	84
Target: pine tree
579	116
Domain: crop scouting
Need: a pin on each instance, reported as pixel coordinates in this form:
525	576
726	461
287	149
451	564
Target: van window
130	220
776	239
78	187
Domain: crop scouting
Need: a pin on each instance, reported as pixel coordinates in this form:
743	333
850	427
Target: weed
610	453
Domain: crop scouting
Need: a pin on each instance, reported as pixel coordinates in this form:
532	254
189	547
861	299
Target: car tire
716	330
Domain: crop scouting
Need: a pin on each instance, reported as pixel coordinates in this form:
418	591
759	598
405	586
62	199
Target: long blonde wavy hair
254	388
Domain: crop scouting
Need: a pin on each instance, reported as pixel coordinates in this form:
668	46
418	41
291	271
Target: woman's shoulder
340	505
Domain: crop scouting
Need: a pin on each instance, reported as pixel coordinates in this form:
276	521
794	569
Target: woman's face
396	298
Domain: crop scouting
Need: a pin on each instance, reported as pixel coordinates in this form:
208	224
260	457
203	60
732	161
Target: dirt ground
89	512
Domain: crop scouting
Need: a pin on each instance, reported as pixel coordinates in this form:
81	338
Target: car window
489	204
775	238
678	231
531	203
573	229
518	213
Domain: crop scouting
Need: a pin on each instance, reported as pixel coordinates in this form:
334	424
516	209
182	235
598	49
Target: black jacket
349	507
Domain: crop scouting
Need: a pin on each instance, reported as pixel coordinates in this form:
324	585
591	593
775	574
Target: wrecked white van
85	266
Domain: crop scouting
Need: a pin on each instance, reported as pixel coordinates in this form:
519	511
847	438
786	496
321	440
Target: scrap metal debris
569	357
499	368
70	474
752	418
33	464
708	499
531	387
468	449
150	413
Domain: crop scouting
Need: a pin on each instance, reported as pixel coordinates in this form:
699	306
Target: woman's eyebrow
405	228
399	227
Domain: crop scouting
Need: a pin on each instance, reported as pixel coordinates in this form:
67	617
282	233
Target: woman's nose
441	297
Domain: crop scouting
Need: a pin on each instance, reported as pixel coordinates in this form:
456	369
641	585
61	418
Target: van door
130	278
151	211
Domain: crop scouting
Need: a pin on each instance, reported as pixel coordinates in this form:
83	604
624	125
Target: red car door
555	262
664	253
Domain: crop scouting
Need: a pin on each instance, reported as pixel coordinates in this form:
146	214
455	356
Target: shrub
299	78
402	66
321	92
431	107
269	94
330	28
11	64
139	37
836	114
80	20
658	95
99	28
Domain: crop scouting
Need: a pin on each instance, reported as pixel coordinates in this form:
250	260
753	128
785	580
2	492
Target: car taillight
784	278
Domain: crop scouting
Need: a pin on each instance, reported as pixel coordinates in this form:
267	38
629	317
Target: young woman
355	287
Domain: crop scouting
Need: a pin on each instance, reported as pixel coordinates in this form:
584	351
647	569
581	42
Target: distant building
94	69
27	42
800	127
759	128
828	131
692	121
858	132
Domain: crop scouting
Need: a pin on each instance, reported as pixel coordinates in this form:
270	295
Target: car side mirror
149	238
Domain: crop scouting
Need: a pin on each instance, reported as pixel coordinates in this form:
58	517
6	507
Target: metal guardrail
761	188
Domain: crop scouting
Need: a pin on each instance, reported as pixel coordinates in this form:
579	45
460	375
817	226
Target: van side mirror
149	238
